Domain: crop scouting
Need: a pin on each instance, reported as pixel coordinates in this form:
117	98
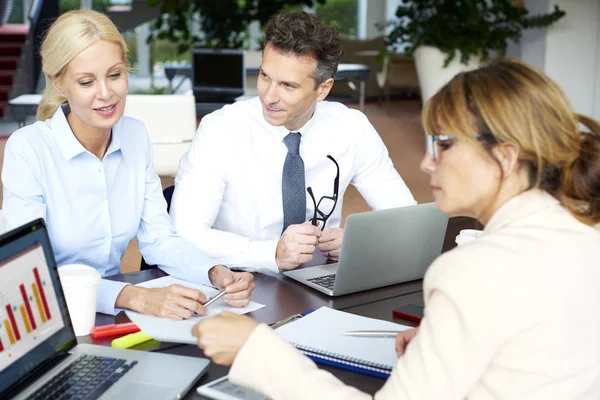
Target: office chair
168	194
170	136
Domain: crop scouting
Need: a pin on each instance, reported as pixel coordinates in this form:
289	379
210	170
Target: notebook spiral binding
349	363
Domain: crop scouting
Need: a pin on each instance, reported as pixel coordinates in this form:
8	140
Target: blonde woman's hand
238	285
174	302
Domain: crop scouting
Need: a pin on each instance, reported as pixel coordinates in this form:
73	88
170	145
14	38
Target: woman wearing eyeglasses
512	315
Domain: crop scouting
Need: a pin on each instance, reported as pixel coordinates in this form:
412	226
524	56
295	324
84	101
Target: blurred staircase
12	40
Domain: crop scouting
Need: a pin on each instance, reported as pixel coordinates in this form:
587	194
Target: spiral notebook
319	335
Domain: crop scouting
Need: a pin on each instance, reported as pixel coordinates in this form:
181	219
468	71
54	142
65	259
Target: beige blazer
512	315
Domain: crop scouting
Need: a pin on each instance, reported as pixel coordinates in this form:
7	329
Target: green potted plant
222	23
449	36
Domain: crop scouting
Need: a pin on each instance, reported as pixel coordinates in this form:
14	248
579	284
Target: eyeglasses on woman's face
436	144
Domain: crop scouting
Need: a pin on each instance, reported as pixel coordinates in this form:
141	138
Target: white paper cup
467	235
80	285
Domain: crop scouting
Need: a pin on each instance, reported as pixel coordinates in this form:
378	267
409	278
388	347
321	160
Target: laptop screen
34	321
218	72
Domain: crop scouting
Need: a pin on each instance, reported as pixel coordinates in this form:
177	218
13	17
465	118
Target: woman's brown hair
508	101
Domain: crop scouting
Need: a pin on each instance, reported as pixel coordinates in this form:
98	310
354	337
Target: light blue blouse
93	208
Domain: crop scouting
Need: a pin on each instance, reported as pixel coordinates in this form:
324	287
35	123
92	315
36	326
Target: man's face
286	88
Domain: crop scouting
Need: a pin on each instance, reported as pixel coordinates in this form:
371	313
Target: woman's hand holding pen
179	302
238	285
174	302
222	336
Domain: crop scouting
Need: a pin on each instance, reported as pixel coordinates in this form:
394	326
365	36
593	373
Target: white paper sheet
166	330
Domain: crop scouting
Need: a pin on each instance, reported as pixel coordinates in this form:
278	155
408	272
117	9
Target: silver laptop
39	354
380	248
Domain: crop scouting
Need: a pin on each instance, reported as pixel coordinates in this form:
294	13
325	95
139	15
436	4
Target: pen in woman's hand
214	298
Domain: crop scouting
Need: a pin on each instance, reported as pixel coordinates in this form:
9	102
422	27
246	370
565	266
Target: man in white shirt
241	190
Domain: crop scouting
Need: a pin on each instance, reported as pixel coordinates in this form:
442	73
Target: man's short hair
302	33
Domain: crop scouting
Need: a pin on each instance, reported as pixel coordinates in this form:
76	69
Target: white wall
572	53
569	50
371	12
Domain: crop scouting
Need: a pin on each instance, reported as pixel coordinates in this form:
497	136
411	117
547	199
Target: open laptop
218	75
380	248
39	354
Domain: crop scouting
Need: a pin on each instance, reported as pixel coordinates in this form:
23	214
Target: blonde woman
513	315
88	171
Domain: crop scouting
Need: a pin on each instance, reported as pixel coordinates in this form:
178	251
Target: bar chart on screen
29	311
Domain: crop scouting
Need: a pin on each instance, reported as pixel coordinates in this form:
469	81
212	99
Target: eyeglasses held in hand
324	208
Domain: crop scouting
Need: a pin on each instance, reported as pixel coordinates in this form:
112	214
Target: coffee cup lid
79	275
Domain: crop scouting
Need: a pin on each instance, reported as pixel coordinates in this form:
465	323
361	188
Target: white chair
171	123
1	223
382	79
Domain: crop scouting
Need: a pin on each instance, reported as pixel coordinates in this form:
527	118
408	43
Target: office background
568	51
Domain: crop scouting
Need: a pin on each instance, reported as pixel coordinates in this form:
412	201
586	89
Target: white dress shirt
93	208
228	199
513	315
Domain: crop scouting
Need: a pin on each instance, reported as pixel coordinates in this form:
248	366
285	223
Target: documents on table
166	330
320	336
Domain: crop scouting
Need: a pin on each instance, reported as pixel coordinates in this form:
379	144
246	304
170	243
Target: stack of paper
166	330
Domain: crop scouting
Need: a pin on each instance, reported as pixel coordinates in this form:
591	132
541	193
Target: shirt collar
527	203
69	146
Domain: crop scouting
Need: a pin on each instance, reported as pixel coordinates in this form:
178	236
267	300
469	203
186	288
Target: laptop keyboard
326	281
85	378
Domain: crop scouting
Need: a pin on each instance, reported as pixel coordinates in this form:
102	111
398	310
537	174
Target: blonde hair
69	35
509	101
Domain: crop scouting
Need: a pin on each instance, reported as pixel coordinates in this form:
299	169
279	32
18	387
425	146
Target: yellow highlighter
130	340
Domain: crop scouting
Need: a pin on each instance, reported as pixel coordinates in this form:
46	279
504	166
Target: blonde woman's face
95	85
464	179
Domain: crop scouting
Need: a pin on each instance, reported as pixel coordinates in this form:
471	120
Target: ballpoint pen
372	334
289	319
286	320
214	298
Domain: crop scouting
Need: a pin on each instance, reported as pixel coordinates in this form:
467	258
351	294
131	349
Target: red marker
114	330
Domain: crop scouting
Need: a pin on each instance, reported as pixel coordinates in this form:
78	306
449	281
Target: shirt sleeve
23	193
108	291
158	242
199	189
270	365
376	179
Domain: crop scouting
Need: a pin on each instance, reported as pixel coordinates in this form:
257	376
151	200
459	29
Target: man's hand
403	339
238	285
174	302
222	336
297	245
330	243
